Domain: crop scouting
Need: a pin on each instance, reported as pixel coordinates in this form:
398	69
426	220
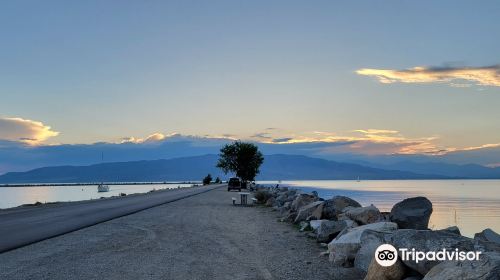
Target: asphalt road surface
201	237
26	225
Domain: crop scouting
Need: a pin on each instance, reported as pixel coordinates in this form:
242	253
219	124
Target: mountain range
275	167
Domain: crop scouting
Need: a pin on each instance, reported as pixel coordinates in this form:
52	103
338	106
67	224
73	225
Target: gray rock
370	240
486	268
289	216
488	235
453	229
302	200
486	246
327	230
345	246
363	215
378	272
316	223
311	209
427	240
335	205
281	199
412	213
304	226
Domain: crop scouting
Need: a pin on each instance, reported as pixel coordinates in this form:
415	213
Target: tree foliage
207	180
243	159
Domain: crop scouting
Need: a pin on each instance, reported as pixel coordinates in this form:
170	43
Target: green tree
243	159
218	180
207	180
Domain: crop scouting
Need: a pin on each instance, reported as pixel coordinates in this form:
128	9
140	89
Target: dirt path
201	237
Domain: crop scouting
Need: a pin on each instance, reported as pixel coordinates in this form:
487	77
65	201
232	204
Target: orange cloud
485	76
25	131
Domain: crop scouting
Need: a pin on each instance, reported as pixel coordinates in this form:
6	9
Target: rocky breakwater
353	233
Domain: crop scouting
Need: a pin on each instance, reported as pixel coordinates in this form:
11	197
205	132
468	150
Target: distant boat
358	179
101	187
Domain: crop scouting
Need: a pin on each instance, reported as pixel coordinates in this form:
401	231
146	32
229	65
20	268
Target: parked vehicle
234	184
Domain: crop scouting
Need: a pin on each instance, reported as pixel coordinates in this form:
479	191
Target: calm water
15	196
472	205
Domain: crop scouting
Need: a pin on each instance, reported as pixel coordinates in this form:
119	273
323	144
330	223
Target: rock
427	240
486	268
315	193
312	209
453	229
270	201
304	226
345	246
378	272
412	213
302	200
328	230
488	235
281	199
289	217
363	215
413	278
486	246
335	205
370	240
316	223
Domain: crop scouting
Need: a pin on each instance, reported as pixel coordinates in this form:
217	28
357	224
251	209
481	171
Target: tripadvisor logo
387	255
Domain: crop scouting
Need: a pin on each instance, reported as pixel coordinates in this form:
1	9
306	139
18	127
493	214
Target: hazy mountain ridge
275	167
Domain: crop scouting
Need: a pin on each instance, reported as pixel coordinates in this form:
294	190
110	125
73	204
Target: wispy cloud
25	131
466	76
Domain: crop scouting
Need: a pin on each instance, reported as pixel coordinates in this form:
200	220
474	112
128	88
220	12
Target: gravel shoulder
200	237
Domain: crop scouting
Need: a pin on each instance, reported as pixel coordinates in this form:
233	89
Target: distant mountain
275	167
473	171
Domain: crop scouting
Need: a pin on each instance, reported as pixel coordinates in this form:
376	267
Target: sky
385	77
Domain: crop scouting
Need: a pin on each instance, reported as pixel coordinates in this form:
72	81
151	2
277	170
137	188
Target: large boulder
302	200
310	210
327	230
488	235
412	213
427	240
345	246
370	240
336	205
393	272
363	215
486	268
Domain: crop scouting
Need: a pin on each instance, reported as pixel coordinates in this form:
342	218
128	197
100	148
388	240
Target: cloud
282	140
25	131
484	76
155	137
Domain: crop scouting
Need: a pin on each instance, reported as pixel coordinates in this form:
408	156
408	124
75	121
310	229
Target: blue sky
112	70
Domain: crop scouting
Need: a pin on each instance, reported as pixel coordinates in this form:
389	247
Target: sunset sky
386	76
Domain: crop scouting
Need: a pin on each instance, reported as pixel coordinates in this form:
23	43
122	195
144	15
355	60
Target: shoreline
353	233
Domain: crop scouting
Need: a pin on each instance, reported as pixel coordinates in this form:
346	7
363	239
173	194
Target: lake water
472	205
15	196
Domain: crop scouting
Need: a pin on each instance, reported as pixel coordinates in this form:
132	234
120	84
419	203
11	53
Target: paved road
202	237
27	225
